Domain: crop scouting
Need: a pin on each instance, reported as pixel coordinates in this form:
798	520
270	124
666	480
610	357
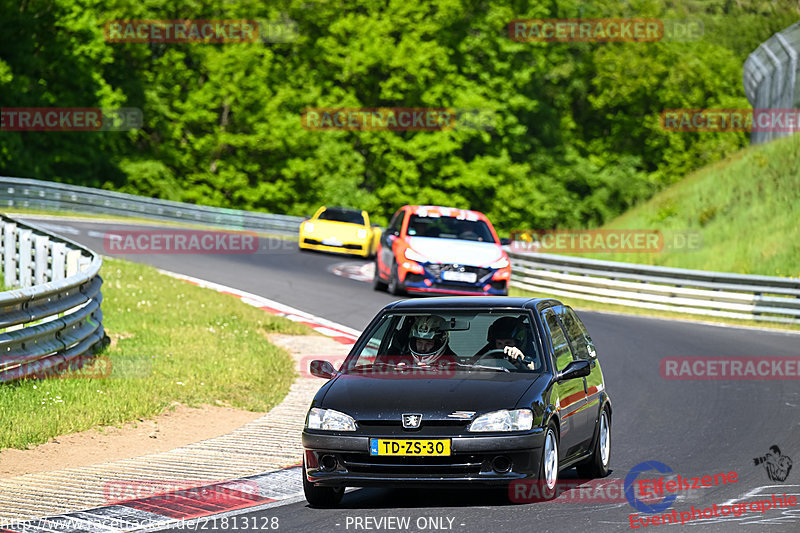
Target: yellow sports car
340	230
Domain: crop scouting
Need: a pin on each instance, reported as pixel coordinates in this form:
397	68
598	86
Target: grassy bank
171	342
747	208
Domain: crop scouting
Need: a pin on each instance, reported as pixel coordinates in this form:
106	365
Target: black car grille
457	425
372	464
453	285
345	246
437	268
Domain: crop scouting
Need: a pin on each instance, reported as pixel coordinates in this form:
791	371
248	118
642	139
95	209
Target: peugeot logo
411	420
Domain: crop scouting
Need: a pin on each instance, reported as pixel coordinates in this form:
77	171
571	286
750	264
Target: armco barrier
51	319
770	77
38	194
696	292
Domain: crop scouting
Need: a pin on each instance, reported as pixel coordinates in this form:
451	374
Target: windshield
470	342
449	228
342	215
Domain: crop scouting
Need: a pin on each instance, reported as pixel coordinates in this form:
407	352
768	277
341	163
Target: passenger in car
509	334
428	341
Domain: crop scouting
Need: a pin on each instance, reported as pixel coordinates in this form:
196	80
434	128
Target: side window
576	331
375	344
396	223
560	345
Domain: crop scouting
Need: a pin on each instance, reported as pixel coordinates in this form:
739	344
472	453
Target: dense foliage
575	137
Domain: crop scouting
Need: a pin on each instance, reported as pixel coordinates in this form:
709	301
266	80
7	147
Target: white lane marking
355	270
59	228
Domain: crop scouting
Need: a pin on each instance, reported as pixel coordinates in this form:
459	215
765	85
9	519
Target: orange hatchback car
441	250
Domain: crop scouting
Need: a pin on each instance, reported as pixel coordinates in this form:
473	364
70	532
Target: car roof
338	208
423	210
471	302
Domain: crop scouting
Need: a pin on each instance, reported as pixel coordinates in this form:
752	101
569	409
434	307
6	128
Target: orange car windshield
449	228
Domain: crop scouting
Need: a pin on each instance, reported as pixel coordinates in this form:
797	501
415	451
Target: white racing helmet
428	328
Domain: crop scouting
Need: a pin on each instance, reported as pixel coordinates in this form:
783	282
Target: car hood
456	251
373	398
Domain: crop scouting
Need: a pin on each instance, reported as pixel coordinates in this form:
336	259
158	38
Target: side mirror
574	370
505	242
321	369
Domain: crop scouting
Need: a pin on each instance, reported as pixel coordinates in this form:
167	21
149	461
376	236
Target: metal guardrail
52	321
670	289
770	77
38	194
695	292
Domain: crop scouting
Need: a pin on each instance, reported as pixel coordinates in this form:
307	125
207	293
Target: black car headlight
330	420
503	420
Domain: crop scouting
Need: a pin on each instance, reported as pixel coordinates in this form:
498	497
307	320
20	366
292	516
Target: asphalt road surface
697	428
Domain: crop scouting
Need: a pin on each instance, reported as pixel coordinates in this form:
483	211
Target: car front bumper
471	461
427	278
348	248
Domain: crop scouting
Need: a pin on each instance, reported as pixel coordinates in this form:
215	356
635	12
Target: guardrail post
73	262
2	245
10	254
59	257
51	331
41	254
25	259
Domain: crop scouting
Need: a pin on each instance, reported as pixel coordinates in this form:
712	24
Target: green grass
172	342
746	206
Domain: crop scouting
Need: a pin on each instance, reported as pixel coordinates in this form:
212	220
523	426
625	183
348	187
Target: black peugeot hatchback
460	391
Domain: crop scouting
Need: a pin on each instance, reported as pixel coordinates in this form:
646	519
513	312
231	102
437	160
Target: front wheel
321	497
597	465
377	283
548	467
394	282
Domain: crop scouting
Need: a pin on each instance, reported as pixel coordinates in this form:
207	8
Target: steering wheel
500	351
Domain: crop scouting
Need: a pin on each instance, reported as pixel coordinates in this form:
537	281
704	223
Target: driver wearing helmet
427	341
507	333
